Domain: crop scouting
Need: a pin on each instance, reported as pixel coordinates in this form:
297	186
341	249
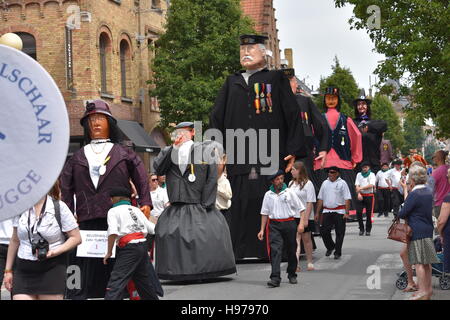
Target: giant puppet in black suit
259	101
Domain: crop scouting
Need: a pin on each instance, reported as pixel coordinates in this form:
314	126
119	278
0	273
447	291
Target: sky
317	32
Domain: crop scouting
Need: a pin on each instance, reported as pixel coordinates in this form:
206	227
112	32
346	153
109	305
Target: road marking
328	263
389	261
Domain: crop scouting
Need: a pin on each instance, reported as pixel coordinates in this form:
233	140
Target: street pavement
367	270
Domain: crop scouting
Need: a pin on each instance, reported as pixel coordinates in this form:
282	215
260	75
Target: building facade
262	13
94	49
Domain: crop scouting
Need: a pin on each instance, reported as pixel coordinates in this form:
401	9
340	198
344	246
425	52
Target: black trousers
349	176
397	200
132	262
368	203
245	211
330	220
282	234
384	201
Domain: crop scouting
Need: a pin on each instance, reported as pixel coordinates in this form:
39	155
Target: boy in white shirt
365	189
128	226
383	191
334	197
280	205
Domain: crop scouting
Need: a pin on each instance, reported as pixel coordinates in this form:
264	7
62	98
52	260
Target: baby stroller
437	270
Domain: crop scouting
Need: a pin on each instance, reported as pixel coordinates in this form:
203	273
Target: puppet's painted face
331	100
252	56
362	107
98	126
294	84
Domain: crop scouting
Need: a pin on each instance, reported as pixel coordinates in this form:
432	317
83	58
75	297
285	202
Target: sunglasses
332	172
154	179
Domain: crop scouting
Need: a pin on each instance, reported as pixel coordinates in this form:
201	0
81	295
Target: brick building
262	13
96	49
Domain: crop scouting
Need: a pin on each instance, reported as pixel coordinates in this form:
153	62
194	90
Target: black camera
39	247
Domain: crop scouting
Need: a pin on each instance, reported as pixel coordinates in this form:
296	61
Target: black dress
192	237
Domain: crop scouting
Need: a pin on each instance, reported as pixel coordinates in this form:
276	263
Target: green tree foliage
414	135
414	35
199	49
344	80
382	109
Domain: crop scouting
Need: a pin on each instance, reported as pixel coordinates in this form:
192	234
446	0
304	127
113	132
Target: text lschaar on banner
34	132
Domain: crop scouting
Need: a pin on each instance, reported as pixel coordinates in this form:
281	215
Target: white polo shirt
305	194
362	182
159	200
395	176
334	194
125	219
283	205
381	179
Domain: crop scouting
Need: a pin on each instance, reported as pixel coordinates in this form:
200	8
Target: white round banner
34	132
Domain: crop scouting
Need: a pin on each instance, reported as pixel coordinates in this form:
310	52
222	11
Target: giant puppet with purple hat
86	180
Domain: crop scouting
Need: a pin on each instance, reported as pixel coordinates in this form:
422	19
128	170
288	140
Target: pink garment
441	185
355	144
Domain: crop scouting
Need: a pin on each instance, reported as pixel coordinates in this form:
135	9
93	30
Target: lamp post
11	40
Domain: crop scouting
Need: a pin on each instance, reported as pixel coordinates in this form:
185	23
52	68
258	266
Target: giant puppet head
98	122
362	107
332	98
253	52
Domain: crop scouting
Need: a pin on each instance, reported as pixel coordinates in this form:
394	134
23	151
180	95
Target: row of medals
263	100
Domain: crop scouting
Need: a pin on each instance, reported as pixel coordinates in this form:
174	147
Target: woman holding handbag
417	210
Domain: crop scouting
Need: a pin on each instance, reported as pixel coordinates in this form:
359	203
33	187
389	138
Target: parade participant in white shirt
394	177
224	192
304	188
127	228
160	199
41	238
384	192
334	197
365	188
280	205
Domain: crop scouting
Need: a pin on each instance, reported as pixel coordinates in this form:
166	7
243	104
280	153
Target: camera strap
36	225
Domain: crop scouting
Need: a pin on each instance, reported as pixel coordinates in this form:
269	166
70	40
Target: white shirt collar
420	186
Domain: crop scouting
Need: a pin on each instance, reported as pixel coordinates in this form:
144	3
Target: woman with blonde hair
304	189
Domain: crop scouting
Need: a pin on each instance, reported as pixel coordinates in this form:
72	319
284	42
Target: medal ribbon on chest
269	96
257	101
263	100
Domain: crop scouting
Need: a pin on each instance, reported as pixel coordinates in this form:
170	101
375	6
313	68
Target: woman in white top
40	274
304	189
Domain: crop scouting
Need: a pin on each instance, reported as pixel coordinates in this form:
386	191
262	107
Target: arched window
29	44
125	68
105	62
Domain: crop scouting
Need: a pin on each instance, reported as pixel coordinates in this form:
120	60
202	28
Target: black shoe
386	215
293	280
361	233
379	215
337	256
328	253
367	233
273	283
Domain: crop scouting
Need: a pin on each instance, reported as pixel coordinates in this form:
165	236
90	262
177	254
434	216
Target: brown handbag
399	231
